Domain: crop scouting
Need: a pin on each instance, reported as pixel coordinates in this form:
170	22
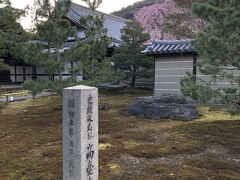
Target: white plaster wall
19	69
168	73
43	78
170	70
19	78
29	70
12	70
40	70
12	78
41	74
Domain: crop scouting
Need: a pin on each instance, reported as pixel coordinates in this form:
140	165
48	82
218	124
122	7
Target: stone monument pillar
80	133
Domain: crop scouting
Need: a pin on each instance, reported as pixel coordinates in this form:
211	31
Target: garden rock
162	108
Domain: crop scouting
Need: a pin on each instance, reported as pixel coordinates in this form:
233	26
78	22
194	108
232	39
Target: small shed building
173	59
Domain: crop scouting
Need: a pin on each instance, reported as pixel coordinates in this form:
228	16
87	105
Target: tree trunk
59	60
133	81
195	68
92	69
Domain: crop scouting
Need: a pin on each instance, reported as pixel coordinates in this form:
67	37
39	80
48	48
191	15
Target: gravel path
22	98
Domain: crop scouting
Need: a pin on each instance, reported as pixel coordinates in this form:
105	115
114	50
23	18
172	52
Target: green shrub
35	87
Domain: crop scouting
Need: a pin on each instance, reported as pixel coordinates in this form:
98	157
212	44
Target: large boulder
162	107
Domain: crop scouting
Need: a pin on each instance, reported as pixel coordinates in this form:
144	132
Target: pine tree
11	32
93	4
96	67
128	57
218	45
53	30
89	55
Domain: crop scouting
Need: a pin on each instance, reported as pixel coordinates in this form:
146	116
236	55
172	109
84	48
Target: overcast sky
107	6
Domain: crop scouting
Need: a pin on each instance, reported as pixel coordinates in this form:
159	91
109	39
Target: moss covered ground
130	148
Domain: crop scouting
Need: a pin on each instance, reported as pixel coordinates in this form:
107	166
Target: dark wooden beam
24	73
15	73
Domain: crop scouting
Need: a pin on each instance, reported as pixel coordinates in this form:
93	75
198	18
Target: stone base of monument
162	108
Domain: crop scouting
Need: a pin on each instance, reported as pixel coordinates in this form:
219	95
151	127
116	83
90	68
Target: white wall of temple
12	71
17	74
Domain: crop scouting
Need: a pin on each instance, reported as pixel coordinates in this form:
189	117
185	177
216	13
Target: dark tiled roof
73	15
166	47
76	11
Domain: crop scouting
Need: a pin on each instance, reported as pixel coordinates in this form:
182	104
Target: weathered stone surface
162	107
80	133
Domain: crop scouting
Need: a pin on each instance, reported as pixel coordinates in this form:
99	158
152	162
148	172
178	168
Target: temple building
20	71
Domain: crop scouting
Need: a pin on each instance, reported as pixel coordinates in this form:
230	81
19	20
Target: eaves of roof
74	15
170	47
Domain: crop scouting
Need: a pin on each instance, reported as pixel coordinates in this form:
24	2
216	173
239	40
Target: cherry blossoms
152	19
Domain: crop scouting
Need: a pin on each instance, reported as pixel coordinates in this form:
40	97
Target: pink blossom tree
154	18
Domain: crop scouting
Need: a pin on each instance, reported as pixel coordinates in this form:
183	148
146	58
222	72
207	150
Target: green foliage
96	67
218	45
128	57
5	2
189	3
3	66
128	12
11	32
93	4
102	72
57	85
88	57
35	87
54	30
133	34
195	89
